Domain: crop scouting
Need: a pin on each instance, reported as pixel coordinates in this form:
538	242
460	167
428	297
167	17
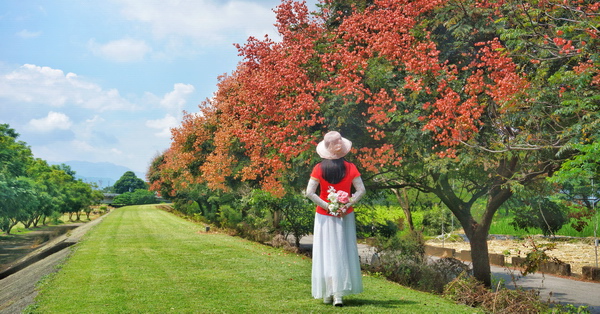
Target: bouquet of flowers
337	201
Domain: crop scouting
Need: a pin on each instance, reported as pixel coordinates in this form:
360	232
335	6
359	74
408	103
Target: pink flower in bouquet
337	201
343	197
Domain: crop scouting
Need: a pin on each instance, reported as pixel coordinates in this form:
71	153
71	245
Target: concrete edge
55	245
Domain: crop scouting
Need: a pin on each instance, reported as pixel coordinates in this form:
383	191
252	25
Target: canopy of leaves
129	182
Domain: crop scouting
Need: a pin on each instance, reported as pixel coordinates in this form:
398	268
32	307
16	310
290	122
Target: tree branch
511	148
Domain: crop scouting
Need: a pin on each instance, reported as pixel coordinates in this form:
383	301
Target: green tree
78	197
97	196
50	181
18	193
19	201
14	155
579	179
129	182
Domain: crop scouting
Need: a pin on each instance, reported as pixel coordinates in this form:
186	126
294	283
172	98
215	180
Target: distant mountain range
102	173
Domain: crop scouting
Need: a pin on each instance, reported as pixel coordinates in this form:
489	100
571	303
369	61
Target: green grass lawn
144	260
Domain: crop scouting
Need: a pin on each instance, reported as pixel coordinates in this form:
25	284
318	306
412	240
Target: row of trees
31	190
470	101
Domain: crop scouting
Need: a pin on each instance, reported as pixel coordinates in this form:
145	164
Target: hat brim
326	154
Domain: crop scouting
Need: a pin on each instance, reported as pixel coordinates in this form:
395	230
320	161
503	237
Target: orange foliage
268	110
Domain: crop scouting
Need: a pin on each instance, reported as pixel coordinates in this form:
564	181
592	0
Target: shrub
137	197
378	220
298	217
402	259
387	229
187	208
229	217
267	216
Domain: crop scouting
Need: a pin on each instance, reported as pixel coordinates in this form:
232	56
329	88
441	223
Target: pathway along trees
471	101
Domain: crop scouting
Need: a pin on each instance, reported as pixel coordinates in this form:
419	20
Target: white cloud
47	86
116	151
176	99
95	120
82	146
28	34
206	21
164	125
122	50
53	121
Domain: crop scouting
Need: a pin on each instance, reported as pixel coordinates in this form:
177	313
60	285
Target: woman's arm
311	190
360	190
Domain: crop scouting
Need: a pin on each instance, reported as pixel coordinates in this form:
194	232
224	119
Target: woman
336	266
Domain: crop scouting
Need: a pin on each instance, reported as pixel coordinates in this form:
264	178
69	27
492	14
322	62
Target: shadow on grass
390	304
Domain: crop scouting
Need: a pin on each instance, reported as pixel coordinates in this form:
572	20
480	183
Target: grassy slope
143	260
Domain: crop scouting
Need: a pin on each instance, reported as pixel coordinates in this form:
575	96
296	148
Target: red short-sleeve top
344	185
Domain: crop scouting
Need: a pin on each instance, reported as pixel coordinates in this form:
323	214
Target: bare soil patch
576	252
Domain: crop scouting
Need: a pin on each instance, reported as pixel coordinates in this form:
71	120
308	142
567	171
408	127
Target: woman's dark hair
334	170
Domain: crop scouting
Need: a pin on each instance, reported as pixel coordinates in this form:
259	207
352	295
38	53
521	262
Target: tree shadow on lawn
390	304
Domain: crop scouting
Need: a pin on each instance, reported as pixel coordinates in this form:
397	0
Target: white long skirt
336	266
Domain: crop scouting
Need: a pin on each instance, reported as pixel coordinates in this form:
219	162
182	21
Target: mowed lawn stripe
144	260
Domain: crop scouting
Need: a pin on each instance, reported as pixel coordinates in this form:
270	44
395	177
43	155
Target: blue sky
103	81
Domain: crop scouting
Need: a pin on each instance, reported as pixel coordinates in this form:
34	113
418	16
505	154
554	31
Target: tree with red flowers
470	101
446	93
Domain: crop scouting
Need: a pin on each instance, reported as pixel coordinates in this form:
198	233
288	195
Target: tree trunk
405	204
480	255
277	215
297	238
11	224
27	223
201	206
37	220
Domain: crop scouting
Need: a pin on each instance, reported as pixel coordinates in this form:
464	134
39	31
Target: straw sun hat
333	146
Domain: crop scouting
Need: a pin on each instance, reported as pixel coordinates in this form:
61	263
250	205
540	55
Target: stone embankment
574	258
